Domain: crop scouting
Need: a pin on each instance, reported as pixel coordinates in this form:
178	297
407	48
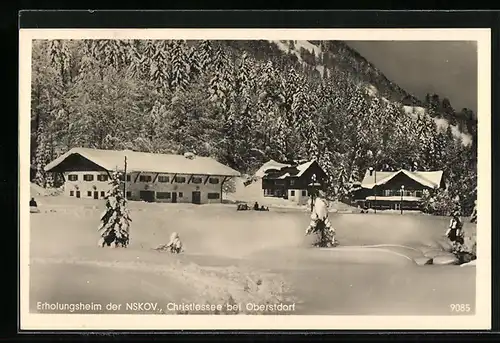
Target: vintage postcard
255	179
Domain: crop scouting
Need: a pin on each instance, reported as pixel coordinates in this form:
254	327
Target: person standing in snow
319	220
455	232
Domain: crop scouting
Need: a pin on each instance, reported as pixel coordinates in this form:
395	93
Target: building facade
398	190
199	180
292	181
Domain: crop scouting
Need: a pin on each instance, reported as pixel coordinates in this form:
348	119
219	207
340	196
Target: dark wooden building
291	181
396	190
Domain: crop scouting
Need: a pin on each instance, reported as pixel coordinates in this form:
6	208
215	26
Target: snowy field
241	258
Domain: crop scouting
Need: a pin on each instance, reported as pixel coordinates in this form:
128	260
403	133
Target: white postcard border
482	318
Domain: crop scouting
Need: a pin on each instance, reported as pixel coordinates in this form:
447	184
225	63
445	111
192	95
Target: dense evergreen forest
243	103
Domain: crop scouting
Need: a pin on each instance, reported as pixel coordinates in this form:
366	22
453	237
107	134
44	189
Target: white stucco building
149	177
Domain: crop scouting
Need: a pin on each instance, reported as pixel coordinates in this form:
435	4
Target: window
292	182
103	194
88	177
102	177
387	192
163	179
181	194
304	193
145	178
418	194
292	193
121	178
196	180
162	195
180	179
213	180
129	194
213	196
89	193
73	177
71	193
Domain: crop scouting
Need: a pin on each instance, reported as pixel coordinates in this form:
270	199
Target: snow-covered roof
283	171
284	176
303	167
270	165
148	162
431	179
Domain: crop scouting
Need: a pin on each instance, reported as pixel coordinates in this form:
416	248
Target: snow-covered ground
260	257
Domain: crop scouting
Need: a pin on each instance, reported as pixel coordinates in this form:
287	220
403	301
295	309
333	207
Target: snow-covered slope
441	123
371	89
285	46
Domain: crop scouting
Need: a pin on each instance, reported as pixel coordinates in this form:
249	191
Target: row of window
279	192
304	193
146	178
159	195
178	179
168	195
283	182
102	194
88	177
397	192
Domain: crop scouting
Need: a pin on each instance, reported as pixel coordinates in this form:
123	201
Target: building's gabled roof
431	179
148	162
303	167
269	165
287	170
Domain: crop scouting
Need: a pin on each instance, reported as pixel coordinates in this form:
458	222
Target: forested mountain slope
242	102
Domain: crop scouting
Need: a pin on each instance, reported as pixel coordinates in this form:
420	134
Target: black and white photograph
216	173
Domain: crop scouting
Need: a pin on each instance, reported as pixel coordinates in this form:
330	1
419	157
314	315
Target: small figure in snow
256	206
242	207
320	221
455	233
174	246
34	206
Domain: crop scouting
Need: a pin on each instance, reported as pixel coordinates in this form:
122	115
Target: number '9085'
461	308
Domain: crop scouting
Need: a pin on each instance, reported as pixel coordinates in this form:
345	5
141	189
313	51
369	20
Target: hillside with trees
243	103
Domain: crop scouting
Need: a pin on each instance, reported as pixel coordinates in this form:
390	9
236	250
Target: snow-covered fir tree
221	83
180	66
40	157
115	221
160	68
193	59
205	54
